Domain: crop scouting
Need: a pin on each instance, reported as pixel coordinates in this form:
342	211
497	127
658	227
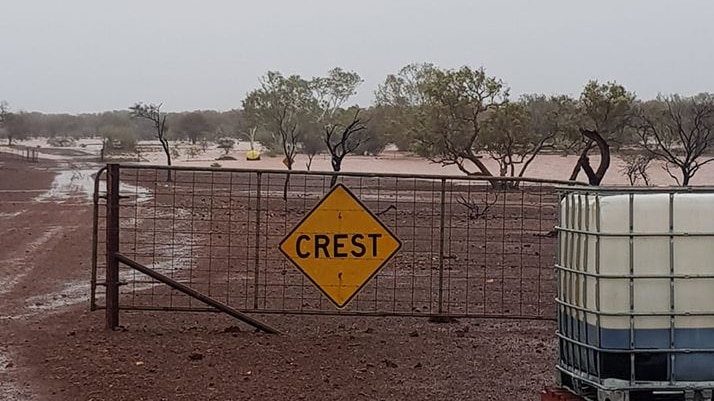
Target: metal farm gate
471	246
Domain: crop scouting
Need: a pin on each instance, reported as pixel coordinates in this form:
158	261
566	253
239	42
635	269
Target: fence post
441	245
256	256
112	247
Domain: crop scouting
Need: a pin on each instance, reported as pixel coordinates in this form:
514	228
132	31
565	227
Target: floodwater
546	166
73	183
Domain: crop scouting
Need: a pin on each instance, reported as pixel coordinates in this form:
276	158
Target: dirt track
52	348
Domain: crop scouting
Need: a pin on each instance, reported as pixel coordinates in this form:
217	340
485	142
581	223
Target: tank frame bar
578	348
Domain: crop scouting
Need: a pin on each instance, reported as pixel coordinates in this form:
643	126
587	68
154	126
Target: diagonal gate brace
195	294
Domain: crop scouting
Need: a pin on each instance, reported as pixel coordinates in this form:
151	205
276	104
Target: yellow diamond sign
340	245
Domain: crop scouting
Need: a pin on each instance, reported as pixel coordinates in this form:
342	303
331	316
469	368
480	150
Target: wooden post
112	247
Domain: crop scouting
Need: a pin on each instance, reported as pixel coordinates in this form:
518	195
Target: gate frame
114	257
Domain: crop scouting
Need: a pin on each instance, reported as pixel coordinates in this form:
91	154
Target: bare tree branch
678	131
152	112
343	140
635	167
476	209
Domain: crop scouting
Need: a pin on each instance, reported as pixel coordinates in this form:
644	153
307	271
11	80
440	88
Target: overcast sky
86	56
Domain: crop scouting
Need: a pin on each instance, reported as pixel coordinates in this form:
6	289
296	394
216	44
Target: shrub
61	142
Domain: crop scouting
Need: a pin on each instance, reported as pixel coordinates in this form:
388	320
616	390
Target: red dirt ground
52	348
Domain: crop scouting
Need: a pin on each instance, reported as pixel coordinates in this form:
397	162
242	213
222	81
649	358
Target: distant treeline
450	116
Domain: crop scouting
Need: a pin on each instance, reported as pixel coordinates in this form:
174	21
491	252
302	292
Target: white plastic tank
636	285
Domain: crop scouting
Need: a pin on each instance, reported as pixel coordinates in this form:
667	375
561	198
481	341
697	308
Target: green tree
279	107
16	126
334	90
194	126
4	112
58	125
115	127
515	133
606	110
510	138
402	100
556	116
457	102
226	144
118	137
231	121
343	130
312	145
375	138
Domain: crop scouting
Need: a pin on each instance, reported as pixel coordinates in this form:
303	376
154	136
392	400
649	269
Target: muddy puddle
77	183
72	293
10	215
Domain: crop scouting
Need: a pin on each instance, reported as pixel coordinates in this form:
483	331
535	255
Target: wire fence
471	246
21	153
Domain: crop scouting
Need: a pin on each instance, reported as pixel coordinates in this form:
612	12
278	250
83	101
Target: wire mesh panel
470	246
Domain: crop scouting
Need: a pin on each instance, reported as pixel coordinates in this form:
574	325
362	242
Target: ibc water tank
636	288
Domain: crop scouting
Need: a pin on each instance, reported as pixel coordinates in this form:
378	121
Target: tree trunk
482	167
285	186
594	177
584	153
9	140
685	177
288	161
336	167
167	151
